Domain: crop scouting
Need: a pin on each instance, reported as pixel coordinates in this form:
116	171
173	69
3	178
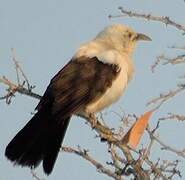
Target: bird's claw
93	120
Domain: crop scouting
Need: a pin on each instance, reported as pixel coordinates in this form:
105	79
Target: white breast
118	86
108	56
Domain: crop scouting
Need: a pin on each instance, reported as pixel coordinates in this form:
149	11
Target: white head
121	37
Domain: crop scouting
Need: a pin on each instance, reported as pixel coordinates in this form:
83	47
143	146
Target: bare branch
20	86
165	20
84	154
104	132
172	116
18	69
162	59
125	164
180	153
175	60
165	97
13	88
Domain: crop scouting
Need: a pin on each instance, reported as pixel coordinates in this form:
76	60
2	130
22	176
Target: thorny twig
166	60
177	47
19	69
165	97
166	20
176	60
166	166
115	160
172	116
20	86
14	88
152	135
85	154
104	132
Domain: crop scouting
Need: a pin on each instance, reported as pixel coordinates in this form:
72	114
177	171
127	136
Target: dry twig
84	154
180	153
20	86
165	20
14	88
162	59
172	116
124	165
166	96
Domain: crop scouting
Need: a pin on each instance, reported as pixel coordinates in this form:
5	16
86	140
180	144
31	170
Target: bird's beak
142	37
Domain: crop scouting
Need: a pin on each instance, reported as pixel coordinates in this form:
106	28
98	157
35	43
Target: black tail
39	140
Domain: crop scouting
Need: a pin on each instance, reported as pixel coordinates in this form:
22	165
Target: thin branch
20	86
105	133
172	116
165	97
147	151
14	88
115	161
165	146
175	60
170	168
85	155
162	59
165	20
18	69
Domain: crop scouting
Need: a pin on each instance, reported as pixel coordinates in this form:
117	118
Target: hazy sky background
46	34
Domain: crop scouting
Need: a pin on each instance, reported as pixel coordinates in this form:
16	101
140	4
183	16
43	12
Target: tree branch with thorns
130	162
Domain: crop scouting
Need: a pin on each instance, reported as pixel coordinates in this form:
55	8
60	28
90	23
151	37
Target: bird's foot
93	119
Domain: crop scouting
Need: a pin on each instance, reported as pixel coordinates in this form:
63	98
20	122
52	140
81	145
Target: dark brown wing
78	83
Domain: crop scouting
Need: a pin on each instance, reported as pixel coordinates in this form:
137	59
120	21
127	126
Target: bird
94	78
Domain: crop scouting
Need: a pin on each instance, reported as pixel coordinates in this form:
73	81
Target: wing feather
80	82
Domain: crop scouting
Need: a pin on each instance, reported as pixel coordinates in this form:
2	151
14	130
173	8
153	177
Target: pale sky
46	34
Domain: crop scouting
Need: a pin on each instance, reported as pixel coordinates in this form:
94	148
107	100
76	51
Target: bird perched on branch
94	78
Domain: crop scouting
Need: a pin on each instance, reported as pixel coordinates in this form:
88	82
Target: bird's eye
129	35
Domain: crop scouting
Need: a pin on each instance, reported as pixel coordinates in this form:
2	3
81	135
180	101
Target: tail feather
39	140
24	140
53	144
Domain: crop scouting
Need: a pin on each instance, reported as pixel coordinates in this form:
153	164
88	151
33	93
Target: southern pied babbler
94	78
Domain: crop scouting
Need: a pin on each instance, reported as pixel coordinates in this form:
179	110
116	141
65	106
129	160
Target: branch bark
165	20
